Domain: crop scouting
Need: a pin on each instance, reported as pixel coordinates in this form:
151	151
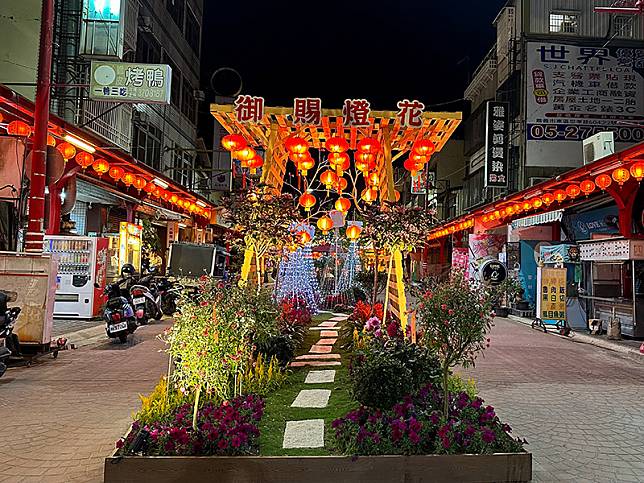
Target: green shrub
456	384
160	404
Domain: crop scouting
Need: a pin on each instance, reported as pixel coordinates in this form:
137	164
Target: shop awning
540	219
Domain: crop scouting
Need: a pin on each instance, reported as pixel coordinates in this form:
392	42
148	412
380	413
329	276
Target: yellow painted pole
400	283
386	305
245	271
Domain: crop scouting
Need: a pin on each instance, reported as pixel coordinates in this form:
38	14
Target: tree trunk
374	293
445	392
196	409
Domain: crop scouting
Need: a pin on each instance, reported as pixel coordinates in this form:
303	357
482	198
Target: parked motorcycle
9	342
170	293
146	299
120	320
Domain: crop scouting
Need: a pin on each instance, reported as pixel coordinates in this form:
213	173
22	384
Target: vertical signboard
552	300
496	145
576	91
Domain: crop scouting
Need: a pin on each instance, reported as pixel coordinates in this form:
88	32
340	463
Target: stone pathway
309	433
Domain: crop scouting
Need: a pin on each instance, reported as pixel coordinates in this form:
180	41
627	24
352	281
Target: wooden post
245	271
384	311
387	187
400	286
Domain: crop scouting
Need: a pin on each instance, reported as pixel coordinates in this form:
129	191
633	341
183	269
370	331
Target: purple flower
488	435
236	442
378	333
413	437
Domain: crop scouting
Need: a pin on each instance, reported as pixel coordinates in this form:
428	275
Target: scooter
146	299
9	342
169	292
118	313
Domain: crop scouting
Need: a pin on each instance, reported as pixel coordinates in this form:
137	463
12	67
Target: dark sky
380	50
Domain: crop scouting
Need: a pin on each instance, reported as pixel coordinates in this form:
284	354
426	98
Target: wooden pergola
277	125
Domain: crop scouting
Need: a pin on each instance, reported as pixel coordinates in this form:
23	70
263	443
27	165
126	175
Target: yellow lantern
307	201
325	224
353	232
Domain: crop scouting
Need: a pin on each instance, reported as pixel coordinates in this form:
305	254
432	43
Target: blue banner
581	226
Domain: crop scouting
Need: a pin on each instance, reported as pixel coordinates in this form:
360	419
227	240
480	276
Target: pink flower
444	306
120	443
450	312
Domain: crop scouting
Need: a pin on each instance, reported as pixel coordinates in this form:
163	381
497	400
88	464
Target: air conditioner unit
598	146
534	180
140	117
145	23
199	95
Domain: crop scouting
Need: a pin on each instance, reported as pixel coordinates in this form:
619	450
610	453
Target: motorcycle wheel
168	307
123	338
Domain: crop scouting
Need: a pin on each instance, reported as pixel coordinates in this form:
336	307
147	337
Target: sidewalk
626	347
79	333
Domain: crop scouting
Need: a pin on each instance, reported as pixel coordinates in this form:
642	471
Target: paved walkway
60	418
580	407
309	433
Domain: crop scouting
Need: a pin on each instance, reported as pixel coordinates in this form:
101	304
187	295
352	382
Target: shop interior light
201	203
161	183
79	143
182	225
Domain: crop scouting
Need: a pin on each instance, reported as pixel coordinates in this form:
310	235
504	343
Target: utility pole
35	228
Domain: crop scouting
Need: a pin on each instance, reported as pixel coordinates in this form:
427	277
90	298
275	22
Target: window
176	9
623	25
146	145
148	50
175	89
188	101
564	23
182	167
193	32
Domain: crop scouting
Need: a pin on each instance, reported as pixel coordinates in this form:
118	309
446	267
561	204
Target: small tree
455	316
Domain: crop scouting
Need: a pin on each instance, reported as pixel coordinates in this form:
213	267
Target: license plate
138	300
118	327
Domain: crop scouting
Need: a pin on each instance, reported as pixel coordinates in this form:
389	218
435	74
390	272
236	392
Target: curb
580	338
84	337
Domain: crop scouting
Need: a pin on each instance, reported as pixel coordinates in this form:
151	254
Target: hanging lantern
342	204
587	186
518	207
369	145
328	178
509	210
66	150
325	224
100	166
244	155
128	179
339	160
485	219
296	145
365	161
424	147
307	201
84	159
255	163
174	199
51	141
298	158
573	190
603	181
336	144
527	205
139	183
637	170
412	167
157	192
369	195
418	158
341	184
353	232
373	179
548	198
116	172
621	175
536	203
19	128
149	188
306	164
560	195
193	207
233	142
303	237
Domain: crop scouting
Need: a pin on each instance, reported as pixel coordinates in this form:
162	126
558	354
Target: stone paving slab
304	434
327	341
342	316
320	377
329	333
321	349
336	319
327	324
312	398
318	356
315	363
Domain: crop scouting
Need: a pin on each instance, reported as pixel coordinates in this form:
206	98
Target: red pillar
130	209
624	197
35	229
53	216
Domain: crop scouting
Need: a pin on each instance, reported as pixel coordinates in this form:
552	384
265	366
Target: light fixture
182	225
79	143
161	183
201	203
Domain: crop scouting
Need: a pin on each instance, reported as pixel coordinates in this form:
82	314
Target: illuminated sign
125	82
107	10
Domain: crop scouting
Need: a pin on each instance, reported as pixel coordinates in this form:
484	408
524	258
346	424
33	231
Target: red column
35	229
53	217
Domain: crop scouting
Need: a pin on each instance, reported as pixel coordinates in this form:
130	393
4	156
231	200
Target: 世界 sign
125	82
496	145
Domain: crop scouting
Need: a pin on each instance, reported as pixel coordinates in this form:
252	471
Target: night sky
380	50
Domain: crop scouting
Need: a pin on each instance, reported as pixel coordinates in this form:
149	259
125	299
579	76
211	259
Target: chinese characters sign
576	91
553	294
496	145
123	82
249	109
307	110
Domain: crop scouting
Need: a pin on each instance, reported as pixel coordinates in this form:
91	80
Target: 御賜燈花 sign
496	145
125	82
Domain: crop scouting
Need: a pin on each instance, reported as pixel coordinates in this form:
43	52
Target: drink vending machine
82	262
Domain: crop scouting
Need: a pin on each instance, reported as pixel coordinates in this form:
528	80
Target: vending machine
82	263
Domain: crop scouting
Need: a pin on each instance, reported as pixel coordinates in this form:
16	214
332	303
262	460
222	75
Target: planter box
515	467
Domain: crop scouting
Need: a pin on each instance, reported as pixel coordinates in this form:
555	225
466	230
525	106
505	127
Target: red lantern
336	144
527	205
418	158
548	198
101	166
66	150
518	208
373	179
637	170
587	186
157	192
341	185
19	128
306	164
139	183
328	178
307	201
621	175
342	204
233	142
560	195
255	163
149	188
174	199
353	232
84	159
128	179
244	155
369	195
298	158
603	181
296	145
412	166
51	141
339	161
536	203
325	224
424	147
573	190
116	172
303	237
369	145
365	161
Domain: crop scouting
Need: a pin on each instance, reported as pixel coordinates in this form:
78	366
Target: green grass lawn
278	404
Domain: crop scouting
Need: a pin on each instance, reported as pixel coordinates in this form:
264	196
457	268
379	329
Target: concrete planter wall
515	467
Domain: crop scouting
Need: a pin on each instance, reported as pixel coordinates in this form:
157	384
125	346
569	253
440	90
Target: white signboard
609	250
576	91
124	82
